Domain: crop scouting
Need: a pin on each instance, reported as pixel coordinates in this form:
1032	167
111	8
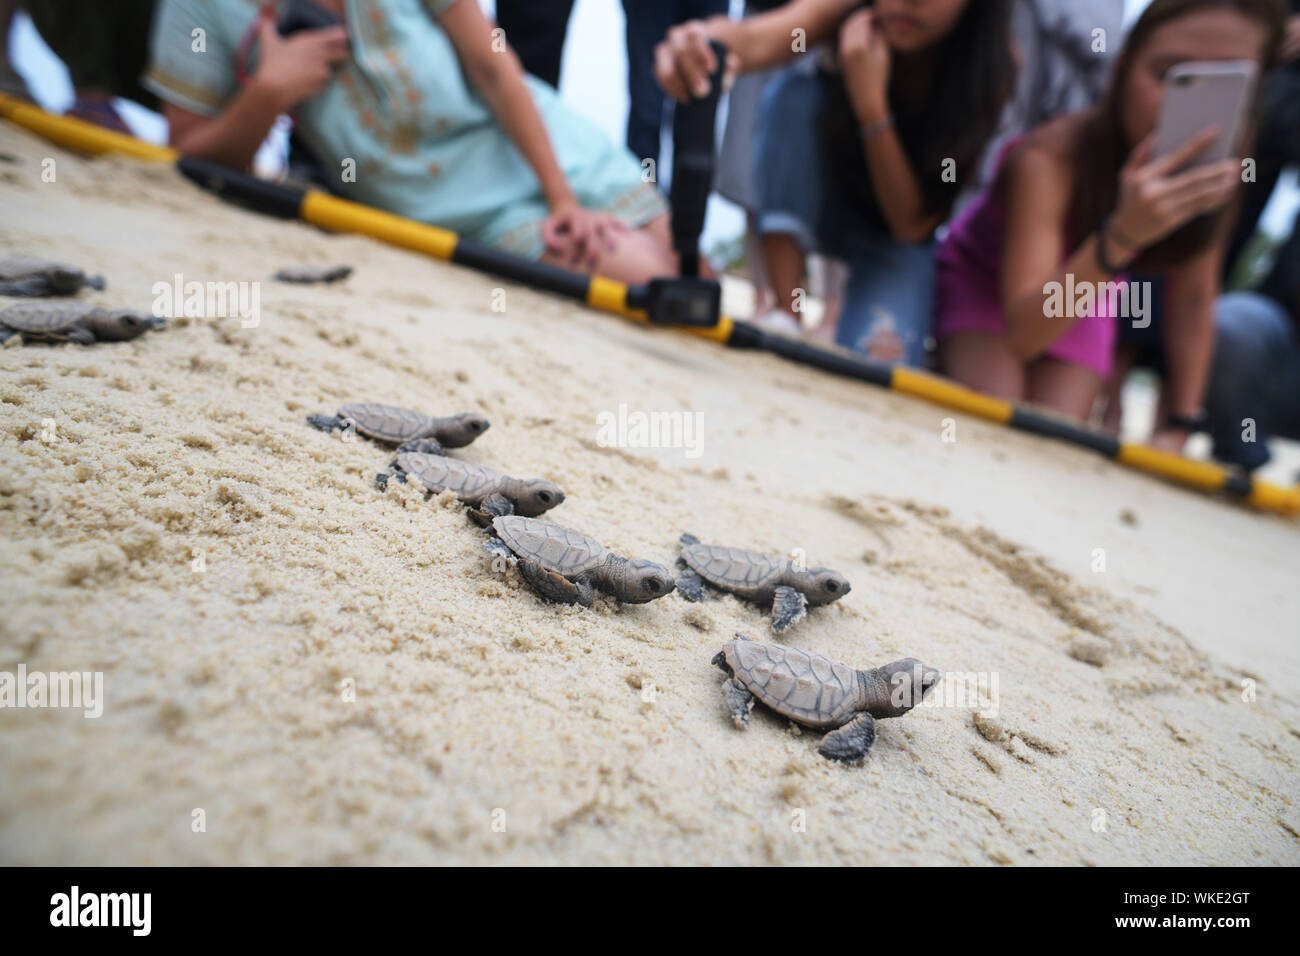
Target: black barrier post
689	299
694	124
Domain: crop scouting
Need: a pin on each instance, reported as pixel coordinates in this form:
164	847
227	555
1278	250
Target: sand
491	727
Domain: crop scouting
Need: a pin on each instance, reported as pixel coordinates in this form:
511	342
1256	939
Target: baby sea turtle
566	566
820	693
21	276
412	431
761	578
489	493
72	322
312	275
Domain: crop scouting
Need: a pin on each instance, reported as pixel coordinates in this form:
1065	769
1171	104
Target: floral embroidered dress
423	143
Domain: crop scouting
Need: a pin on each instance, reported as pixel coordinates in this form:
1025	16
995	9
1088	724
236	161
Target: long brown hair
1103	148
975	74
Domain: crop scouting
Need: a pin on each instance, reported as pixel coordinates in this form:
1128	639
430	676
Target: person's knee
1249	333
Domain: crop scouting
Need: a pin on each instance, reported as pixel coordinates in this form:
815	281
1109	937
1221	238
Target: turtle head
459	430
646	581
906	683
822	585
539	496
120	325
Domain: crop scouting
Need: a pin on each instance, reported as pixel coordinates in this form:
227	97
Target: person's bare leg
784	262
1063	387
1113	390
983	361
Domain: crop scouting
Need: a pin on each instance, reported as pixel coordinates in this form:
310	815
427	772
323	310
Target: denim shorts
798	194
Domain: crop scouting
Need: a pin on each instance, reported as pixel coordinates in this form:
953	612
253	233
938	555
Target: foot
493	506
555	587
788	608
852	741
691	585
739	702
780	321
93	109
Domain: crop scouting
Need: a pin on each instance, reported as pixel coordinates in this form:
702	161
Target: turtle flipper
691	585
688	539
6	334
97	283
739	701
788	608
493	506
82	336
422	446
395	472
498	548
326	423
850	742
555	587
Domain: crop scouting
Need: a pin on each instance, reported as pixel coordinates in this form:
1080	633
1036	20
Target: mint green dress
424	145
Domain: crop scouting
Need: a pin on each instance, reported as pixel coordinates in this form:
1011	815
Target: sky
587	83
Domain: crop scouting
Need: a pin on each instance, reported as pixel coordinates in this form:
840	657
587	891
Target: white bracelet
877	127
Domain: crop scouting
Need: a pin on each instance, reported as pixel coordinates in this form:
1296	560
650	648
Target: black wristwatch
1190	423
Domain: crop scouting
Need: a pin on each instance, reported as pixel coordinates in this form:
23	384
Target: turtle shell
734	569
806	687
467	481
388	423
20	267
45	318
553	546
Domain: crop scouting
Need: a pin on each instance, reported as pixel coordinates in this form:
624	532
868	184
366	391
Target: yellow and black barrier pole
341	215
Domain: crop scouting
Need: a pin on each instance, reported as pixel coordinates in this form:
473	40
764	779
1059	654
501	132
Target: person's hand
579	237
1155	199
1291	41
684	62
866	60
296	68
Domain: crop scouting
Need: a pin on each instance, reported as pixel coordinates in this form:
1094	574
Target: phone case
1201	94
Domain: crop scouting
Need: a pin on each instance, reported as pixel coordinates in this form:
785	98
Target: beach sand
491	727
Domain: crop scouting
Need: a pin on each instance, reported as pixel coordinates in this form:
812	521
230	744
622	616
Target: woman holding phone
1083	202
864	157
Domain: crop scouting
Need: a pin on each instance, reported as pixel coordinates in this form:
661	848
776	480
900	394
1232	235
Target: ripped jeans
798	195
1254	390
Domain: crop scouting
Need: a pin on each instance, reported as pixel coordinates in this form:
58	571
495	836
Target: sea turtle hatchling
820	693
488	493
36	278
565	566
761	578
312	275
410	430
72	322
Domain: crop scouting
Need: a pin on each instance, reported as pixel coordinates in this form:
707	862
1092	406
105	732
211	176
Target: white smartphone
1201	94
